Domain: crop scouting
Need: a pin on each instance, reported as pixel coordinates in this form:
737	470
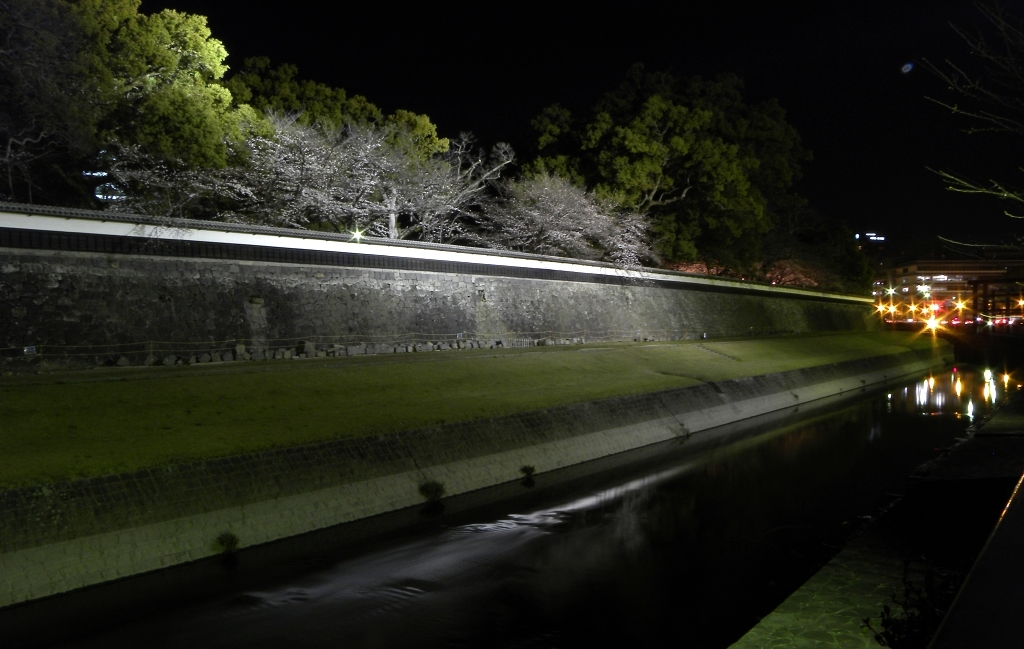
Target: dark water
687	548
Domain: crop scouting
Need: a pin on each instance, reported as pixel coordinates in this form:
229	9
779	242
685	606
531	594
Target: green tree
687	153
159	76
82	78
278	90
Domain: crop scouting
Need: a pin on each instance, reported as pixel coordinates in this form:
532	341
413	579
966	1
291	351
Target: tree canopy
278	89
158	79
713	172
82	79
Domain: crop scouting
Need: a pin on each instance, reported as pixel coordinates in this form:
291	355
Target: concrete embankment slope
68	535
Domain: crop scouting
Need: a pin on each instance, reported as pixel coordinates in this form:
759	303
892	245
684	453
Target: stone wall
103	308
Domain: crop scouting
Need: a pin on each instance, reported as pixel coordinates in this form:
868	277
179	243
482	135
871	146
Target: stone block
170	359
204	358
246	356
321	354
239	349
150	360
192	360
257	355
309	349
122	361
355	350
423	347
227	357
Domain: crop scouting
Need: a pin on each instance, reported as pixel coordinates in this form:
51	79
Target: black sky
489	68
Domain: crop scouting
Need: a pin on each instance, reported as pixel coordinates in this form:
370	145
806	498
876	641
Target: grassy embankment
59	426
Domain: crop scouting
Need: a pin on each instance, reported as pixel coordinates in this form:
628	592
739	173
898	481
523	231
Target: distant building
952	290
869	239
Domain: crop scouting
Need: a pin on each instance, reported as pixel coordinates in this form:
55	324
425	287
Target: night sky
835	67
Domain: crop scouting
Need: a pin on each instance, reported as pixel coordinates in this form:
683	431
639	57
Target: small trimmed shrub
432	490
227	542
527	470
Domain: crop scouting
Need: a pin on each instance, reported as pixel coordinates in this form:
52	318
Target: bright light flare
357	235
931	382
958	387
932	323
988	375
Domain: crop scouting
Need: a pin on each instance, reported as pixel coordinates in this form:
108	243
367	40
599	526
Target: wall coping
59	219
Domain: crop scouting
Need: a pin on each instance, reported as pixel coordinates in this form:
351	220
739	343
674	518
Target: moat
690	544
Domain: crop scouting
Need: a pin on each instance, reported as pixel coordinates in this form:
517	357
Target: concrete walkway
828	611
987	611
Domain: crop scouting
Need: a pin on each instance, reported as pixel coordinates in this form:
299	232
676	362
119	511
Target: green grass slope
60	426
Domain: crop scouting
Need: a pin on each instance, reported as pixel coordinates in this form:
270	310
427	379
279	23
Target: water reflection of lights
992	391
988	375
922	394
970	410
932	395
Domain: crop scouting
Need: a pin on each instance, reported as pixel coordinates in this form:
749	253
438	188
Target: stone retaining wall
91	308
60	537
